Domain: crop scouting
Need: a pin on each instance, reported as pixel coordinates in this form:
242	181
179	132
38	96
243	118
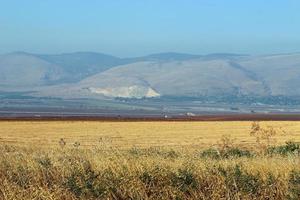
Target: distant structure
189	114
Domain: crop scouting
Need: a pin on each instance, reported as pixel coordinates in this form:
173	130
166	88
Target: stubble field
138	134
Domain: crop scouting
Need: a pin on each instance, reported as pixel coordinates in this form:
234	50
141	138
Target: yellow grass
137	134
34	166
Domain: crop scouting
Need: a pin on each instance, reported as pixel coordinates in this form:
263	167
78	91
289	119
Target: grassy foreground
31	173
226	170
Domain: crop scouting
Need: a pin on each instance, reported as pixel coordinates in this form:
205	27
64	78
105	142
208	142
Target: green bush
236	153
155	177
45	162
84	182
184	179
289	148
237	180
294	185
22	176
155	181
46	170
228	153
210	153
154	152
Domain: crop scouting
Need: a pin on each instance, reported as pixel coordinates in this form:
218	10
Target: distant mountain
163	57
95	75
279	73
223	56
25	70
82	64
218	75
190	78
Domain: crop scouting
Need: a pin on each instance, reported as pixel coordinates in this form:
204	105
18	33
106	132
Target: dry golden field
137	134
149	160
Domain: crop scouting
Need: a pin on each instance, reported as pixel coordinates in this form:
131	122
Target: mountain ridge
98	75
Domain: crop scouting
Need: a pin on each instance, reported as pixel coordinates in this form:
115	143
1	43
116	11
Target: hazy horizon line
153	53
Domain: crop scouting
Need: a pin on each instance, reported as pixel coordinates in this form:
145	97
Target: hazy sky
138	27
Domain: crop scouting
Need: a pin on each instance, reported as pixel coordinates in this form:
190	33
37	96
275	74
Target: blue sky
138	27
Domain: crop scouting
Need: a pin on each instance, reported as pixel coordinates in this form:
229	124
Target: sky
138	27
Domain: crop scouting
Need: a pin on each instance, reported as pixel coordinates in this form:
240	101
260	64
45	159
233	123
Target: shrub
294	185
225	154
210	153
184	179
171	154
73	185
154	152
156	182
44	162
287	149
22	177
226	142
155	177
236	153
237	180
46	170
134	151
83	181
264	136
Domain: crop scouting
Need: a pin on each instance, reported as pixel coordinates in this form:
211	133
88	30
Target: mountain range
101	76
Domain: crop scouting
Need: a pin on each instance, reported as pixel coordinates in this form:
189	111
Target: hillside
26	70
94	75
254	76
